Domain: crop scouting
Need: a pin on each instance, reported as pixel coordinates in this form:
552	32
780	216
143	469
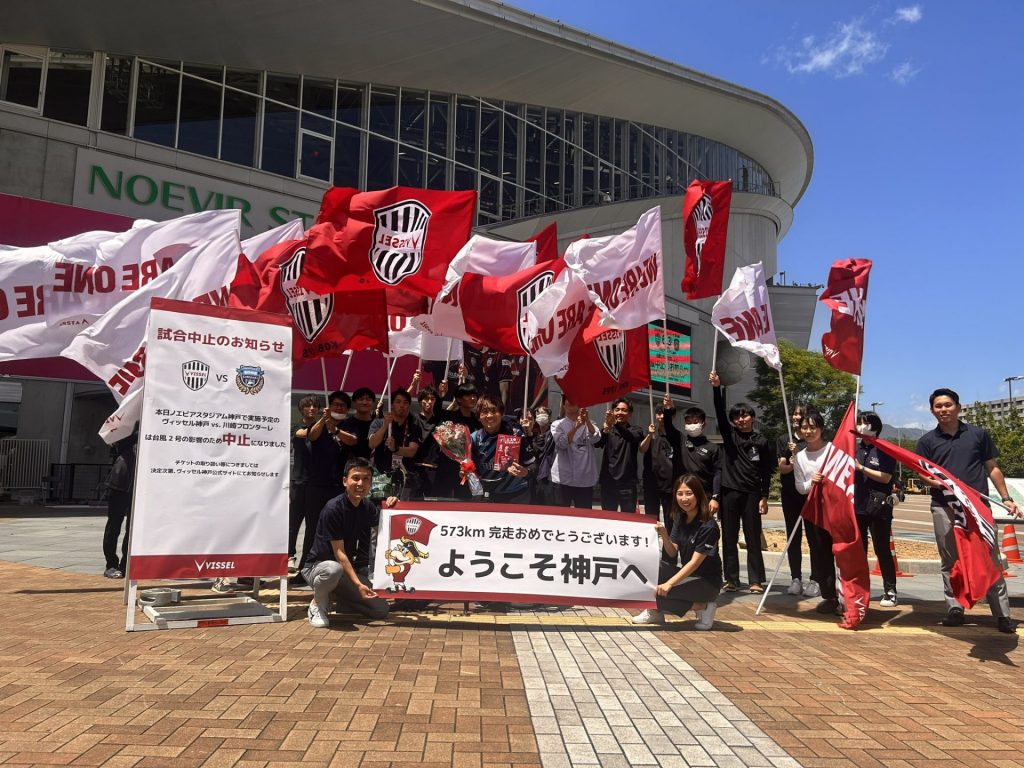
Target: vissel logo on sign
195	374
399	235
525	296
214	565
310	311
702	214
611	351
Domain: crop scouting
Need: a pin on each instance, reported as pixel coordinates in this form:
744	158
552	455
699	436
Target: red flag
401	238
547	243
847	296
974	530
829	505
322	324
335	204
706	217
606	363
494	308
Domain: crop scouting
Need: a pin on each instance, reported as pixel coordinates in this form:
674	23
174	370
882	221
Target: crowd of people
352	456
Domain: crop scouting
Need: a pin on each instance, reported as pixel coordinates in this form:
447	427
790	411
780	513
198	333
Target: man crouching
338	562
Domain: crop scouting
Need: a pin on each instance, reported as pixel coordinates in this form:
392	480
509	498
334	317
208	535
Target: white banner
404	339
211	492
624	273
511	553
744	314
555	319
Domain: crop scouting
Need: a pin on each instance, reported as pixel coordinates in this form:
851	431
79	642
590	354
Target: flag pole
323	370
664	327
714	348
447	361
526	386
785	407
778	566
419	370
344	376
856	397
387	383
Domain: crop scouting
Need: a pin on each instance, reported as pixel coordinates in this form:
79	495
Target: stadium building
120	110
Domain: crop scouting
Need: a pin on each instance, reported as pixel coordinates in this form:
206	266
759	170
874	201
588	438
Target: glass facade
523	159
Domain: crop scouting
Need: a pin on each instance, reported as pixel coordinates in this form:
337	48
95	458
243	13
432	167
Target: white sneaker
318	616
649	616
706	618
795	588
811	589
888	600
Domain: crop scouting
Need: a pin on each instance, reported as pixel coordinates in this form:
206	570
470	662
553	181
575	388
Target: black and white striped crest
195	374
702	214
310	311
611	351
525	296
399	235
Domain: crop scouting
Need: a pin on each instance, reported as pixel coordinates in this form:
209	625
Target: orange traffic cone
1011	551
895	560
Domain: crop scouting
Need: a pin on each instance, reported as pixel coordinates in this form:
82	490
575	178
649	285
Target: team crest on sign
399	235
702	214
310	311
195	374
611	351
249	379
525	296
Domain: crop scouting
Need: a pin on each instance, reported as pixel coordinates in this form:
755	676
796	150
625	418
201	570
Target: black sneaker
954	618
827	607
1007	625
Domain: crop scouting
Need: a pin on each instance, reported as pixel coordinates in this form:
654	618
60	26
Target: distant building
1000	409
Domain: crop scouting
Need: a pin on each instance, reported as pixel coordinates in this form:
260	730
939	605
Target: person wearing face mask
701	457
662	462
573	471
325	455
792	503
747	468
872	487
537	426
806	470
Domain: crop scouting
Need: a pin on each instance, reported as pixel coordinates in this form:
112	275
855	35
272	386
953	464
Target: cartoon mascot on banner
410	535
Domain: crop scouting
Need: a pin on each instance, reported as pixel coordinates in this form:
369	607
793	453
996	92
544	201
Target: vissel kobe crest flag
706	217
606	363
974	530
847	296
401	238
829	505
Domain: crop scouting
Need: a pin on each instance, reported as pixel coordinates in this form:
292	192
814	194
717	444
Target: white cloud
911	14
843	53
903	73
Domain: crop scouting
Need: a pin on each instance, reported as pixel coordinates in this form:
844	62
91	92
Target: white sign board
512	553
211	491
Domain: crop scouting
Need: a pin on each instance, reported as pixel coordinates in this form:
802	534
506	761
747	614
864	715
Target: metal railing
24	464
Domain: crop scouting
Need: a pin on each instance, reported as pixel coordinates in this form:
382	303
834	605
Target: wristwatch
1007	498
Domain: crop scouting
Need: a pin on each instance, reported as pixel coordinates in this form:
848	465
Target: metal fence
24	465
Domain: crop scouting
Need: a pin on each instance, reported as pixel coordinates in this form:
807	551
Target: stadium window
280	137
438	130
318	106
347	152
413	118
238	131
156	102
21	78
117	93
410	166
315	157
350	104
383	105
380	163
200	114
68	81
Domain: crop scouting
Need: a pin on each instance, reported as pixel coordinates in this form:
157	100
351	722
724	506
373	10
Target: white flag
121	423
481	256
114	347
81	290
744	314
406	339
624	273
554	320
254	246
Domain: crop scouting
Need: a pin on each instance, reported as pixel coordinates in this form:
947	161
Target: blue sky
916	115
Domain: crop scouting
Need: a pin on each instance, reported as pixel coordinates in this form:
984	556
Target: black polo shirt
963	454
871	457
325	459
700	537
341	521
620	443
361	429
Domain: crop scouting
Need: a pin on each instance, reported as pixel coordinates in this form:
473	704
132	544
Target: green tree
1007	434
809	380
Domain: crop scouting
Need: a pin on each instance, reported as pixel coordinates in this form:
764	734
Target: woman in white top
806	469
574	472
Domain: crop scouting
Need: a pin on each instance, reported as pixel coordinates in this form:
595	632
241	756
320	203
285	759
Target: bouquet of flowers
453	440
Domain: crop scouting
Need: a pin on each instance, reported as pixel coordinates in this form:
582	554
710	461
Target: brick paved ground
438	689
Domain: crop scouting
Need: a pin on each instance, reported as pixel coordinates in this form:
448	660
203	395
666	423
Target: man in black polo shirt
337	566
968	453
621	441
355	430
